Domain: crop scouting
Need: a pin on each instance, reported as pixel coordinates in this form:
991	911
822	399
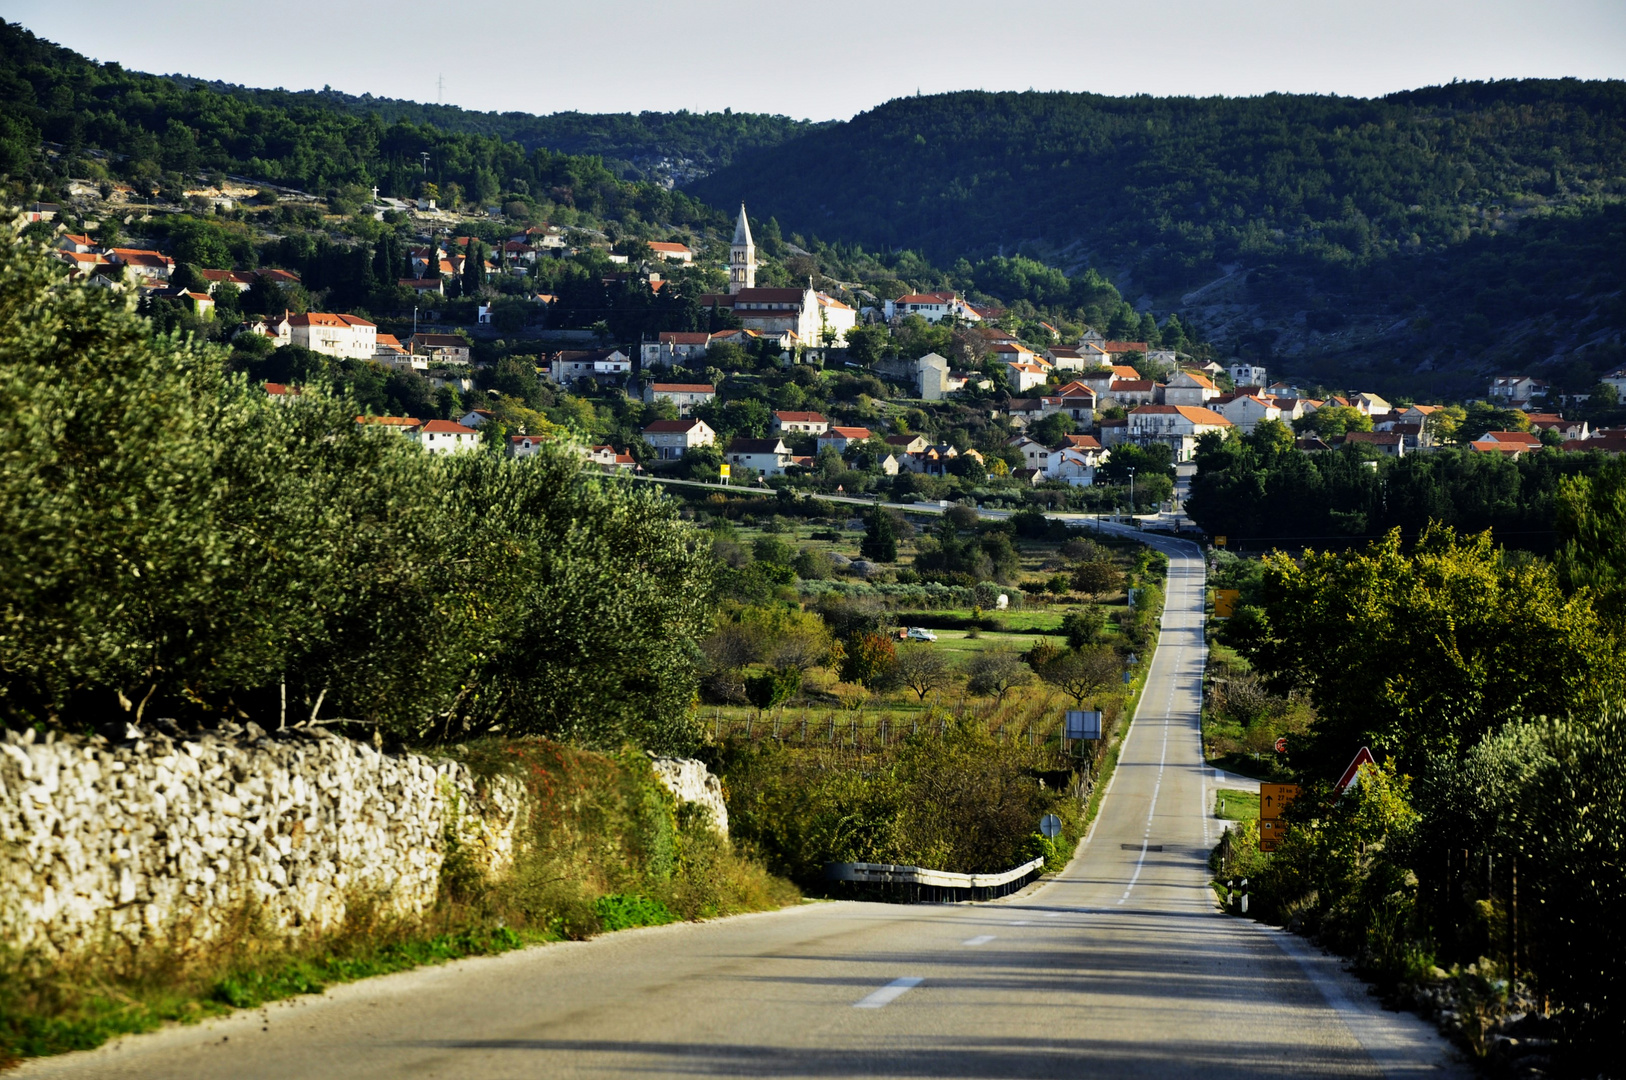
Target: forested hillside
1470	226
676	146
157	132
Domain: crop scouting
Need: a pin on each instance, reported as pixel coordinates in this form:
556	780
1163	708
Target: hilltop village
800	382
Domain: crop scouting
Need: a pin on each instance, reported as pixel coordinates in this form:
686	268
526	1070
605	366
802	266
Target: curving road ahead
1119	967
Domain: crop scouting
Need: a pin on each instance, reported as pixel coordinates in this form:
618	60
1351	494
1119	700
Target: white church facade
811	315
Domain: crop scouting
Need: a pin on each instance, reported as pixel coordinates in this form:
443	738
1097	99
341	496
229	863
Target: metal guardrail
920	884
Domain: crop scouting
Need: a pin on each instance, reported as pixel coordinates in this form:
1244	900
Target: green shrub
617	912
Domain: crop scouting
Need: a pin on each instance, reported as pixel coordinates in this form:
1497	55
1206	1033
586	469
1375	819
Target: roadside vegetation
1476	870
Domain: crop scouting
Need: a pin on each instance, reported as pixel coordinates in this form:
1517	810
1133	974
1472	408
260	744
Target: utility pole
1131	492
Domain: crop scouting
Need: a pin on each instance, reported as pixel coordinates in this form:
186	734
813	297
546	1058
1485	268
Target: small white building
445	437
1371	405
770	457
842	437
684	395
678	253
1076	460
1517	389
1245	374
600	365
800	423
1023	377
675	347
933	307
670	438
524	446
1245	411
1035	455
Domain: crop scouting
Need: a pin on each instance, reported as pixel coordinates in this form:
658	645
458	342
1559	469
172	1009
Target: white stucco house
770	457
670	438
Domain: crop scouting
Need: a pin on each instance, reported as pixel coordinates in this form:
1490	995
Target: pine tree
880	538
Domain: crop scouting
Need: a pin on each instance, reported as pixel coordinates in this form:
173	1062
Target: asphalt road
1119	967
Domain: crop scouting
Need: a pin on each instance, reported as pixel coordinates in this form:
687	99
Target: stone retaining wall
171	838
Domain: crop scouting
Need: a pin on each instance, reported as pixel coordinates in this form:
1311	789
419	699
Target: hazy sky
835	58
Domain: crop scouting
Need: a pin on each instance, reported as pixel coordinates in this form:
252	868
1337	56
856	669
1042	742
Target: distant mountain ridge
1454	228
676	147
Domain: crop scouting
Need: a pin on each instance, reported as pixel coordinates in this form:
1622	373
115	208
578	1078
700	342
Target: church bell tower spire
742	259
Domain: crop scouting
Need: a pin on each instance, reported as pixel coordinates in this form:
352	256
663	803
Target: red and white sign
1281	745
1353	773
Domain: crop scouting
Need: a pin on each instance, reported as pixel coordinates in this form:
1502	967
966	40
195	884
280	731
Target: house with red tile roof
670	438
684	395
145	264
842	437
674	347
608	457
678	253
1178	426
1511	443
445	437
1388	443
1189	388
786	422
332	334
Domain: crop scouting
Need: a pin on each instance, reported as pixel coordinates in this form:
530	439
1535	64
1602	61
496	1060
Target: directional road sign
1225	602
1270	834
1274	798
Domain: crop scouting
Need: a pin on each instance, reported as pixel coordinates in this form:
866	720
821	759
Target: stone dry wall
691	782
171	837
161	838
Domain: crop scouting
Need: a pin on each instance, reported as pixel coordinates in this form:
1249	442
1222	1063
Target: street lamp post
1131	492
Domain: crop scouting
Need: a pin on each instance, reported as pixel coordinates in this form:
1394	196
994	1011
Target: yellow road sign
722	471
1271	833
1219	541
1225	602
1274	798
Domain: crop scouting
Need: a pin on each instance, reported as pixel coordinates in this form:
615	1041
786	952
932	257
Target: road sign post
1050	825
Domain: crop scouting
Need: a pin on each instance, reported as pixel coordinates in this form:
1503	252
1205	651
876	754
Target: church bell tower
742	259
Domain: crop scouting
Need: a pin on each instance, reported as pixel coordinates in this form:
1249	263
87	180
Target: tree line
1466	211
1488	685
158	131
1259	488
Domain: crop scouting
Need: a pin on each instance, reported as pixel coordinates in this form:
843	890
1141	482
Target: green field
1231	804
